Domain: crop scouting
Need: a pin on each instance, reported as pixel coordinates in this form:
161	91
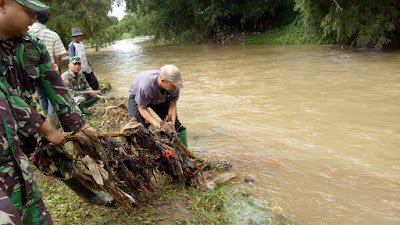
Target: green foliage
126	36
291	34
104	84
91	16
130	26
366	23
194	20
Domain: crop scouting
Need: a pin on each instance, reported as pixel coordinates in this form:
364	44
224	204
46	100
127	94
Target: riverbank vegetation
350	22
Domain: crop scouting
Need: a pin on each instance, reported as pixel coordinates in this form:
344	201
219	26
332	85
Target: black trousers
161	110
92	80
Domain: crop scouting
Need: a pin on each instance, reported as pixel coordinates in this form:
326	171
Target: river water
316	127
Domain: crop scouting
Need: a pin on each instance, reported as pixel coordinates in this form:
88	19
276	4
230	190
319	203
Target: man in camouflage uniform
25	63
75	80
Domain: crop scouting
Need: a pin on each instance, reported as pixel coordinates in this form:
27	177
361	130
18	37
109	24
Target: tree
91	16
365	23
199	19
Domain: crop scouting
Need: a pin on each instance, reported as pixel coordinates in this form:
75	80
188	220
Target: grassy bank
292	34
172	203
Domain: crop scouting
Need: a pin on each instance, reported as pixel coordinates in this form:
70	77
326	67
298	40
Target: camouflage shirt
24	64
77	83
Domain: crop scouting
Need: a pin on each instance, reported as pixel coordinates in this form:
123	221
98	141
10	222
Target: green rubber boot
85	111
90	102
183	136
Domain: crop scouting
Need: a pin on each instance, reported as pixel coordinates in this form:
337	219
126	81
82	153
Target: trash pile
127	159
123	168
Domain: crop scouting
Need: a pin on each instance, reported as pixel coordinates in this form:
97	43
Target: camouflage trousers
17	204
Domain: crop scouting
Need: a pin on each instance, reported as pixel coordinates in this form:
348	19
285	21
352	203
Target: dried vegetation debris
126	158
126	163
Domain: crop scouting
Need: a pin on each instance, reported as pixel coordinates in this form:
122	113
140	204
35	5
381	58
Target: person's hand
52	134
89	129
102	97
92	94
92	68
56	138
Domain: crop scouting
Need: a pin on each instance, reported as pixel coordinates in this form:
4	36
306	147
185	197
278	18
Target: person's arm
58	61
143	99
71	49
144	111
93	94
85	86
91	67
52	134
59	51
172	110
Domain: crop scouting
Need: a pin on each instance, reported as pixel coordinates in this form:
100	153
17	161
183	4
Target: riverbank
291	34
173	203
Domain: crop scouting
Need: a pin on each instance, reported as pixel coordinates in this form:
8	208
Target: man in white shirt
50	38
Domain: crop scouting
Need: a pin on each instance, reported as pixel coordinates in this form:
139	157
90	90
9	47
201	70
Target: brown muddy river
316	127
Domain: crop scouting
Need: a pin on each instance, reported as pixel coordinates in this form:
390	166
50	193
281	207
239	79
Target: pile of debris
123	168
126	161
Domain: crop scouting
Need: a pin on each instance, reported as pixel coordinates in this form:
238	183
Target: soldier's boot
54	121
90	102
88	195
85	111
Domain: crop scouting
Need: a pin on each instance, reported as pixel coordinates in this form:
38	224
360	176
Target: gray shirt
146	91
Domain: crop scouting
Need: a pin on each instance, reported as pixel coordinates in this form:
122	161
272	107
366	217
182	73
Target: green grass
104	84
292	34
126	36
173	203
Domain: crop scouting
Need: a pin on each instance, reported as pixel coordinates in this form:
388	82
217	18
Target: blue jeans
44	102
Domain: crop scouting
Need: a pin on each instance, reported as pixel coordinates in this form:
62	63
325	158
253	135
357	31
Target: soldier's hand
56	138
91	94
89	129
52	134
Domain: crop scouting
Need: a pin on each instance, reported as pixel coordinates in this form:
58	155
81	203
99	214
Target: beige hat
172	74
